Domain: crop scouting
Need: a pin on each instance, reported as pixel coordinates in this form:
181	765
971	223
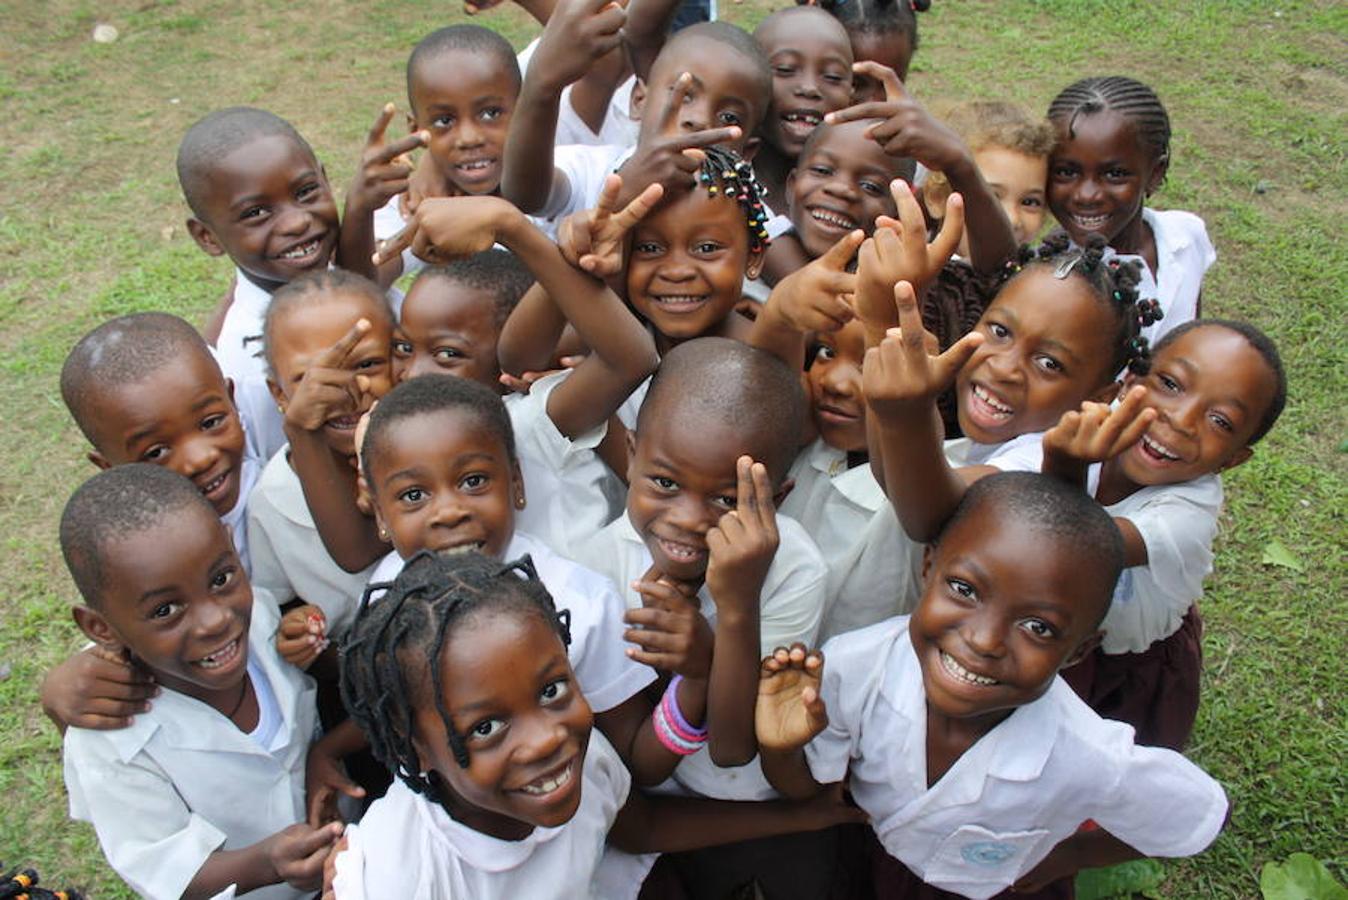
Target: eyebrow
489	703
1062	349
417	470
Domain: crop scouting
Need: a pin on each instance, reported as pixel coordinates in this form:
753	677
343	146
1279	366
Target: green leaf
1138	876
1275	554
1302	877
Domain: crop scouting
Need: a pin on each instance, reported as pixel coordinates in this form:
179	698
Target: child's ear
204	238
751	148
1084	649
631	440
783	492
97	628
1107	394
1239	458
519	500
638	101
790	191
1158	172
928	558
754	264
98	459
278	395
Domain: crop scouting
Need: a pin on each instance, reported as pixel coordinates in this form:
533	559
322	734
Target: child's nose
807	87
842	188
983	634
211	617
198	456
691	516
1089	190
1005	366
540	737
842	380
470	134
447	511
293	220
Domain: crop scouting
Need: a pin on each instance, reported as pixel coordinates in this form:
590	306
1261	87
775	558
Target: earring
519	502
383	533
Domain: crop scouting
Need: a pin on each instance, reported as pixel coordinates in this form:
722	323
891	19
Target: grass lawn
91	226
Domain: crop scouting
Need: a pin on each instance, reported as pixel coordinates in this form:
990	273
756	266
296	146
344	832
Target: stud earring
383	533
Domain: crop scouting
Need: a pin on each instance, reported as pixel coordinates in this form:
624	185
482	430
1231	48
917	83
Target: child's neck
948	738
495	825
1137	239
237	703
1114	485
772	166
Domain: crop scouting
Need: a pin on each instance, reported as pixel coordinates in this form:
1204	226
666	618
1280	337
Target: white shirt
239	352
618	127
1178	523
873	568
236	519
791	605
569	492
1023	453
607	677
408	846
1184	253
583	168
289	559
1015	794
182	781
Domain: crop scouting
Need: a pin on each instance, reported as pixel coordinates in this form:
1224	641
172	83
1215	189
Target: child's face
464	100
310	329
444	482
511	695
1210	389
811	76
688	262
178	598
721	95
269	208
835	387
1046	349
182	417
1003	609
840	185
891	49
1017	180
1099	179
447	327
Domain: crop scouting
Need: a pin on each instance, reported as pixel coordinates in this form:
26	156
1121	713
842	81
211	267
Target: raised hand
898	251
297	853
816	296
742	544
454	227
908	130
669	629
593	239
901	376
329	387
578	33
384	168
789	711
1096	432
302	635
673	158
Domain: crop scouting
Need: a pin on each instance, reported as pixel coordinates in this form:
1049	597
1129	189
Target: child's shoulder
868	651
1178	229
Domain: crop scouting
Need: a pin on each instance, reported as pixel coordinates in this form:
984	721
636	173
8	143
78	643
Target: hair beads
725	171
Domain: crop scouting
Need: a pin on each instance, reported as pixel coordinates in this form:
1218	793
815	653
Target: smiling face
177	597
840	184
443	481
512	697
1005	606
688	262
267	206
728	93
448	327
1210	390
1017	181
464	99
835	387
811	75
1100	174
1047	348
181	417
307	330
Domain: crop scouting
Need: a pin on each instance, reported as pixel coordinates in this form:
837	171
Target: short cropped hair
741	42
904	167
715	379
312	288
1047	505
434	393
461	38
123	351
219	134
497	272
1262	344
115	503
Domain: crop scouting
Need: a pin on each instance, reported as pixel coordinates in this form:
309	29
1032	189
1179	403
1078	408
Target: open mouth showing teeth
222	657
545	786
1090	223
997	408
308	248
1157	450
475	165
214	484
833	220
460	549
958	671
344	423
682	553
680	301
805	117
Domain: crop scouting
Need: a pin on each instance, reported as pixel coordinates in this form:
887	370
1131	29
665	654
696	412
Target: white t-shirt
618	127
1184	253
408	846
239	352
1178	523
1023	453
289	559
236	520
182	781
583	168
791	605
607	677
1015	794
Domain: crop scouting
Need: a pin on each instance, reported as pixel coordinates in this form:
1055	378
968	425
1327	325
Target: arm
648	24
294	855
788	714
1092	849
96	690
629	729
382	174
530	335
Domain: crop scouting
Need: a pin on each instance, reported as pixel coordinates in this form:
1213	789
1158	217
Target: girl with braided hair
1113	152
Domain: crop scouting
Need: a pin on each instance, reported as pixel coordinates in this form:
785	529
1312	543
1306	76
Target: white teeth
460	549
833	219
221	657
1091	223
809	117
681	552
1000	408
962	673
301	251
679	299
1159	449
548	785
475	165
214	484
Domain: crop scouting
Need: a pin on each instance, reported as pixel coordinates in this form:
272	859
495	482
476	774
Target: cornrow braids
878	16
398	638
725	171
1131	99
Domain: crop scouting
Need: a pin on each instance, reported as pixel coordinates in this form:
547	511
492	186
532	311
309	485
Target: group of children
714	513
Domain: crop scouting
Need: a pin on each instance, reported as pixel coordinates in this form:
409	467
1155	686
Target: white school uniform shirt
238	349
1178	523
569	492
1023	453
873	569
408	846
791	605
236	520
607	677
618	127
289	559
182	781
1015	794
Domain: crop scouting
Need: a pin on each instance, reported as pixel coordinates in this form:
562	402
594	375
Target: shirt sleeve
792	602
831	751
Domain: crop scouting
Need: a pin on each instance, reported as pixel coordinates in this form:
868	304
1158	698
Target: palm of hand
781	717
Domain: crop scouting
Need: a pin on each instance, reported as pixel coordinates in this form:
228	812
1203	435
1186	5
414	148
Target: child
259	196
205	792
976	764
811	63
504	789
1113	152
327	342
881	31
1214	389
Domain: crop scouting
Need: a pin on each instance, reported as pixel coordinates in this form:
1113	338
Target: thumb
841	253
947	365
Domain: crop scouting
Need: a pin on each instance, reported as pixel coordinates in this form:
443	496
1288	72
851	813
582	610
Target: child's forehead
807	30
265	158
436	437
137	564
849	143
1225	359
169	387
439	300
461	76
691	211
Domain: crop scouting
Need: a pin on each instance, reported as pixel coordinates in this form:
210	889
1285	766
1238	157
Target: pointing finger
394	246
380	126
840	254
894	89
640	206
678	96
336	355
952	229
707	138
403	145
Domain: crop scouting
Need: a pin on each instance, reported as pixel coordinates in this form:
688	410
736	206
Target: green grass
87	197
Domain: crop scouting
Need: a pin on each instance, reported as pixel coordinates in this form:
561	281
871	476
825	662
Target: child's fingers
840	254
697	139
390	153
948	364
665	661
394	246
678	96
894	89
873	109
912	224
115	708
910	320
746	498
762	493
947	240
658	594
380	126
608	197
640	206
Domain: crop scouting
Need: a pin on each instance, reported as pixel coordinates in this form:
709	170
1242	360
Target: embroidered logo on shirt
987	853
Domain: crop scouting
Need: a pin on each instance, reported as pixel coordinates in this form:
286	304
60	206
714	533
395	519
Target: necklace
243	695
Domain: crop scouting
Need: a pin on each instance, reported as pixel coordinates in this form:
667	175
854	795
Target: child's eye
252	213
412	495
370	363
485	729
783	71
1039	628
222	578
155	453
961	588
725	501
1167	383
491	114
1049	364
474	481
825	353
555	690
706	247
874	188
1117	174
442	121
1063	170
646	248
402	349
663	483
836	78
307	192
730	118
998	330
1222	422
1032	202
165	610
210	423
821	170
448	353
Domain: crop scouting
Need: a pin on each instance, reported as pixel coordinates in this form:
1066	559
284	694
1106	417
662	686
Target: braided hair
1131	99
391	662
725	172
1114	281
878	16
